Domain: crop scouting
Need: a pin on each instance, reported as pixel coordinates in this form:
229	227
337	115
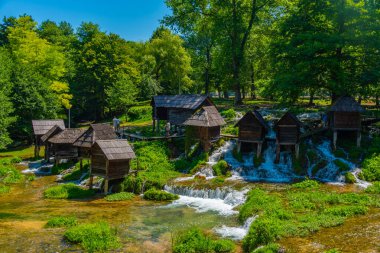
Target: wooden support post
56	162
81	164
91	181
239	146
158	126
106	186
297	148
259	148
358	139
335	137
278	149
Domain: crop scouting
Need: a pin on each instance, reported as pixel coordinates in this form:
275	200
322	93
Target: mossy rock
349	178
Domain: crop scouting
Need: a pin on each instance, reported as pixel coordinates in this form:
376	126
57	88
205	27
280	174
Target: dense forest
276	49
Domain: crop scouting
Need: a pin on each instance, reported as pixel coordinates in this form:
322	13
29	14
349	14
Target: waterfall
37	168
236	233
220	200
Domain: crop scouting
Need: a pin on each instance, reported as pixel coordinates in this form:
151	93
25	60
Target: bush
306	184
270	248
195	241
139	112
229	114
159	195
341	165
371	168
120	196
67	191
9	161
10	175
220	168
349	178
61	221
4	189
262	232
374	188
94	237
76	174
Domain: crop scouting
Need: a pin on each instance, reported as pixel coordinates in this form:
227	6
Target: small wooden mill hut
206	122
252	129
288	131
91	135
345	115
176	109
62	144
110	159
49	151
41	127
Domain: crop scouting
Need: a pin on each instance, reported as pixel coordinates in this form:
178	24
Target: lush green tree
172	62
6	106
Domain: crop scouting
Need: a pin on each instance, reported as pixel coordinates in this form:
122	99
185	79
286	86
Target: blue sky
131	19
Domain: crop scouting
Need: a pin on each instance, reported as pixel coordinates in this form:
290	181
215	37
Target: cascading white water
37	168
220	200
236	233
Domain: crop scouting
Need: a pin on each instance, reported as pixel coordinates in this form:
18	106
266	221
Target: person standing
115	122
167	129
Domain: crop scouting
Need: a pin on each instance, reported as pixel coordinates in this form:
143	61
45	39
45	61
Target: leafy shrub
9	161
374	188
371	168
230	129
67	191
120	196
349	178
139	112
76	174
195	241
159	195
270	248
220	168
10	175
94	237
341	165
262	232
306	184
56	169
61	221
4	189
31	177
229	114
346	211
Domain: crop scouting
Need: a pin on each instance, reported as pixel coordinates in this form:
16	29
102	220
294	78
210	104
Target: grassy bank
302	209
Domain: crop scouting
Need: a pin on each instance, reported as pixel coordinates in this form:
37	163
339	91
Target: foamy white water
236	233
222	201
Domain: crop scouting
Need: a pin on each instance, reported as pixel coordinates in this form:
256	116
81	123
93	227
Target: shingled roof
53	131
95	132
116	149
179	101
207	116
346	104
67	136
289	116
41	127
256	115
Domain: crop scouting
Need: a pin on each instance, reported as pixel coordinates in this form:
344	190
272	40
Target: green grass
374	188
371	168
67	191
120	196
155	168
303	208
61	221
10	175
349	178
22	152
159	195
220	168
229	114
195	241
94	237
4	189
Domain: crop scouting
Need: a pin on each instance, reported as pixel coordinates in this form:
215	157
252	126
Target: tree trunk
243	91
207	71
377	100
236	69
225	94
311	98
334	96
253	88
360	99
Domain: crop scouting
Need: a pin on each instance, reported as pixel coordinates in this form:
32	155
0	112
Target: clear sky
131	19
